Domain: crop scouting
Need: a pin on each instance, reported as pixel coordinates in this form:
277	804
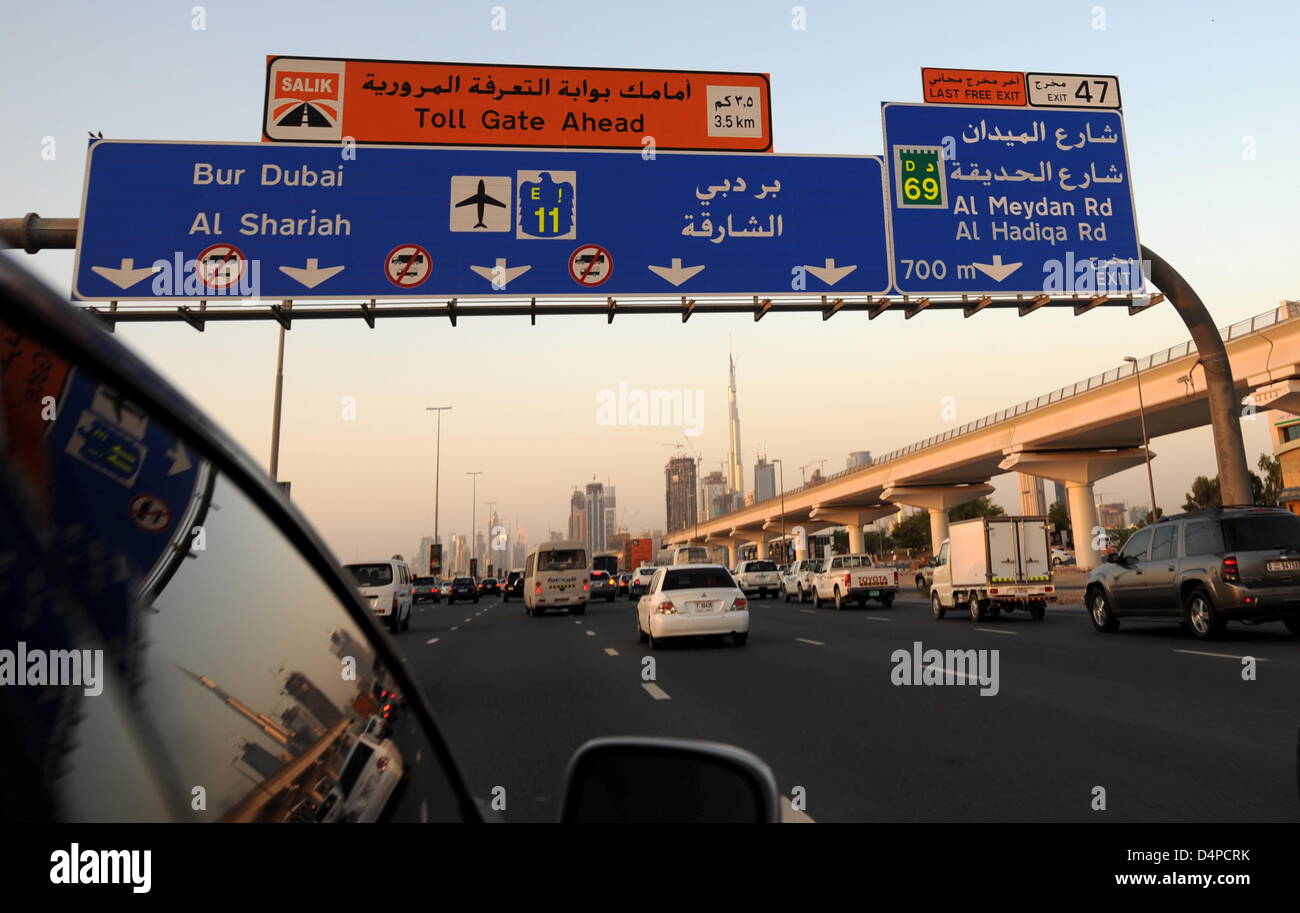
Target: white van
690	554
557	576
386	586
370	776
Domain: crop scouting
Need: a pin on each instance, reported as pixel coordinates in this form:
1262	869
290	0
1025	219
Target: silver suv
1203	569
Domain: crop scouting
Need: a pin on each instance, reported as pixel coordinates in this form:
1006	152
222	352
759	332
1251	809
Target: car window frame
1147	531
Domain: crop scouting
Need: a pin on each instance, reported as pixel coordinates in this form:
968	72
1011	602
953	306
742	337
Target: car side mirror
660	780
125	515
1113	558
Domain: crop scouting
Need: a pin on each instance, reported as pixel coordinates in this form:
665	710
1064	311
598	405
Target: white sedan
690	600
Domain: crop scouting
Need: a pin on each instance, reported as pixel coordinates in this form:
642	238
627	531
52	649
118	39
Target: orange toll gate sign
393	102
973	87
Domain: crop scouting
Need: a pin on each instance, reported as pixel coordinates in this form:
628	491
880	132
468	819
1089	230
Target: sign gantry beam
453	309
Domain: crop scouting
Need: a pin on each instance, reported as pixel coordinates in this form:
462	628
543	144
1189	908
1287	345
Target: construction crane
818	463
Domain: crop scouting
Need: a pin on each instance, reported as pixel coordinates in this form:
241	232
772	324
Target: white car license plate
1283	565
700	606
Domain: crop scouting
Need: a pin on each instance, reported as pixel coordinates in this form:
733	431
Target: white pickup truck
758	577
994	564
797	583
853	578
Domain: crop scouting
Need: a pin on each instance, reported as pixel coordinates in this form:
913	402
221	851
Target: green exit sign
918	177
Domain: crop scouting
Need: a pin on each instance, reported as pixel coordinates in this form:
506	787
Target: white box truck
994	564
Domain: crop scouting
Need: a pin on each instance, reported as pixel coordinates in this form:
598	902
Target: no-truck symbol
407	265
591	265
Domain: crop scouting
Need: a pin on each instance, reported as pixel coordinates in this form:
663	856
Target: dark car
425	588
603	584
1203	569
513	585
489	585
623	581
462	588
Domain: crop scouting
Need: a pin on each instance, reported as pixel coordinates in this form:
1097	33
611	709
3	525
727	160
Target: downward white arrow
676	274
313	274
500	275
125	276
180	459
997	270
830	273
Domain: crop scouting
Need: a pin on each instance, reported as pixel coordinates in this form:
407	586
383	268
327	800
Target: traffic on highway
250	577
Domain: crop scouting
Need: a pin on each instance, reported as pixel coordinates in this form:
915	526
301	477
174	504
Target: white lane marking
808	611
655	691
577	622
815	643
996	631
455	627
591	633
792	815
1261	659
611	651
467	620
433	641
876	618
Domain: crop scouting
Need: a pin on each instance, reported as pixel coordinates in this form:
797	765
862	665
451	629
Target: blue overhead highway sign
1005	200
166	220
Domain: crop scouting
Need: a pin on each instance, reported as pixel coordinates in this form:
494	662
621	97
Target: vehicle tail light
740	604
538	590
1230	570
993	592
394	602
586	586
666	608
848	579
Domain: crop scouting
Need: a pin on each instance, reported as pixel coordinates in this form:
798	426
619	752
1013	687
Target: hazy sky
1212	130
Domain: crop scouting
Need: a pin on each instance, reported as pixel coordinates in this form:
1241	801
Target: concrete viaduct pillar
731	544
854	518
1078	469
938	500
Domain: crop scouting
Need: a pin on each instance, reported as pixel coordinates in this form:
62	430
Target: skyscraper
713	487
735	474
595	517
609	516
578	517
312	699
764	480
679	482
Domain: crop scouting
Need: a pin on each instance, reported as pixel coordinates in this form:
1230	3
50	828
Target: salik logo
304	99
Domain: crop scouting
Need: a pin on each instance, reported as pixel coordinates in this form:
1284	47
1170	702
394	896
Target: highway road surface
1165	725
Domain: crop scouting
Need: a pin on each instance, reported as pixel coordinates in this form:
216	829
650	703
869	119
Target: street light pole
275	417
785	546
473	513
1146	444
437	467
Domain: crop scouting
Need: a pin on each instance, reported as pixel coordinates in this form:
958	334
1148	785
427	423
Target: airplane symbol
480	200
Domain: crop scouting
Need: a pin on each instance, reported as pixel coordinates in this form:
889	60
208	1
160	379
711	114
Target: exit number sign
1066	90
